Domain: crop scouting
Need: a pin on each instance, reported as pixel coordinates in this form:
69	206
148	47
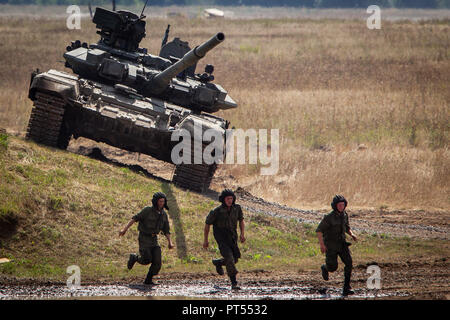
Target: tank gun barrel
160	81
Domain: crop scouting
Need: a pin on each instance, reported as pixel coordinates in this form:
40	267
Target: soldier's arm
171	246
166	231
242	228
166	226
210	219
323	225
348	230
241	223
206	235
323	248
124	230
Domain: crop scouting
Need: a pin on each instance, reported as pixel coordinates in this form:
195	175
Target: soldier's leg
132	260
236	253
231	271
155	265
331	263
346	258
219	263
230	266
156	260
236	256
145	255
228	259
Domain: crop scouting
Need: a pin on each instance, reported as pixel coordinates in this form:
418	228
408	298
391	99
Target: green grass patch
3	142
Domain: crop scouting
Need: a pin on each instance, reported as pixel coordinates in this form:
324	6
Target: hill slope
59	208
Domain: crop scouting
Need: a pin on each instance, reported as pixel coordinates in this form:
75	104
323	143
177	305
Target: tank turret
161	80
117	59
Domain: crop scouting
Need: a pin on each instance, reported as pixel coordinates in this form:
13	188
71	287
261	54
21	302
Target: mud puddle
199	290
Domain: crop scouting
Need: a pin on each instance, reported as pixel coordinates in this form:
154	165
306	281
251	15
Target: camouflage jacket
334	226
151	222
224	222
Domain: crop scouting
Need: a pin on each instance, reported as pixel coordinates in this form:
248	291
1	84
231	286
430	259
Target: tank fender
56	83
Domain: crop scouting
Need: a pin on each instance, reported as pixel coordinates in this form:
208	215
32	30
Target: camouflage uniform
151	222
224	223
333	226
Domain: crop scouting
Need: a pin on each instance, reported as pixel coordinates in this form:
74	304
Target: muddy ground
419	279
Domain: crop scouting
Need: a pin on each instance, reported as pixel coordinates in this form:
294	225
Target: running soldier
152	220
224	219
331	234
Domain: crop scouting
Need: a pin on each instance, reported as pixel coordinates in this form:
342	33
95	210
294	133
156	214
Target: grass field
361	112
58	209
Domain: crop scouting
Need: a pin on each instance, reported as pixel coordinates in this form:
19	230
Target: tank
119	94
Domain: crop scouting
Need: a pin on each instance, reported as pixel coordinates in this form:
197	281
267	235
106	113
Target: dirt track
419	279
421	224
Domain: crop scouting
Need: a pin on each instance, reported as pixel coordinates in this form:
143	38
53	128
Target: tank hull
66	105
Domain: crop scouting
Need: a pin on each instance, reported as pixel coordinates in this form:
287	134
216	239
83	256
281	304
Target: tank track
46	121
196	177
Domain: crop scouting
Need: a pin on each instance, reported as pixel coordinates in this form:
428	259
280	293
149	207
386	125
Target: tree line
265	3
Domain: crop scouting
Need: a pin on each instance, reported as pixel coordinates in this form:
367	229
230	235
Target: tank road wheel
46	121
195	177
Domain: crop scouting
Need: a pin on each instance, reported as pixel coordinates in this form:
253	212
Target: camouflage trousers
151	255
331	261
231	254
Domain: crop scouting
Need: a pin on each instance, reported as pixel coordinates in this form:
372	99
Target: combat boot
324	272
149	280
131	261
219	267
234	284
347	290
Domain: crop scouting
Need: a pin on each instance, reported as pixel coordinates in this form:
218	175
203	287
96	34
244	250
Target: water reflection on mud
182	291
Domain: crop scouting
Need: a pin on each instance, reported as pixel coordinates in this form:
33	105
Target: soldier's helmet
226	193
158	196
338	198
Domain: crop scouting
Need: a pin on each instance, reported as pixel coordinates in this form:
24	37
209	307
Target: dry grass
330	86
